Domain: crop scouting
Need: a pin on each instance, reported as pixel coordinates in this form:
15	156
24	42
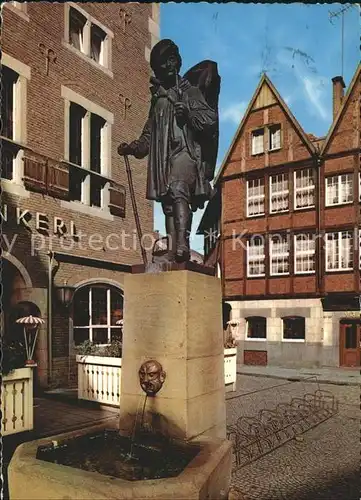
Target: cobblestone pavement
325	465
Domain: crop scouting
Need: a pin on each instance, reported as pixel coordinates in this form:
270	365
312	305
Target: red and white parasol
30	323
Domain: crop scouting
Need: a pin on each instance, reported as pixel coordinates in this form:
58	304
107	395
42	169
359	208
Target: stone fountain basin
207	475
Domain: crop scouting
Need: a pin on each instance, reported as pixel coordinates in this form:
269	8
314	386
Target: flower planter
17	401
99	379
230	368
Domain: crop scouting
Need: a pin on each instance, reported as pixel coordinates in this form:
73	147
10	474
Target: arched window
96	310
256	327
294	328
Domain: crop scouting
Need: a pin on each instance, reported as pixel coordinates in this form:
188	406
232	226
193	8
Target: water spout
142	421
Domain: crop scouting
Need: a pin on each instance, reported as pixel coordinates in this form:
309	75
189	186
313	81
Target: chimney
338	93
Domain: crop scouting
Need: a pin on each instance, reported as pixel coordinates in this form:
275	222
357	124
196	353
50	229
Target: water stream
132	439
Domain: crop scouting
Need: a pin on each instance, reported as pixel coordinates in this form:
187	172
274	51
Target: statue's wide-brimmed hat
162	49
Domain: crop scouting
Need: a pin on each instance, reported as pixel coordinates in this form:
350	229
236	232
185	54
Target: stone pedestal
175	318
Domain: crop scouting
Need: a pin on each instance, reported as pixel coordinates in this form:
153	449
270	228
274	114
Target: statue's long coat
155	141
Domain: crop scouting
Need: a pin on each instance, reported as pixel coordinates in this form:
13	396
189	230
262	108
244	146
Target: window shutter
117	196
58	180
35	173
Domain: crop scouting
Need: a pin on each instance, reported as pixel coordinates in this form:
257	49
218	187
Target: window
8	105
279	255
97	37
339	189
86	36
359	250
76	29
359	186
14	76
304	188
255	197
294	328
339	251
256	328
304	253
20	8
96	312
258	141
274	137
279	193
20	5
86	183
256	256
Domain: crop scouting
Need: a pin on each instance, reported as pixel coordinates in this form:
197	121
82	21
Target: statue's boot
182	221
172	237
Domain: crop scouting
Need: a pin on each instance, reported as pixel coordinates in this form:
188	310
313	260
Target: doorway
350	343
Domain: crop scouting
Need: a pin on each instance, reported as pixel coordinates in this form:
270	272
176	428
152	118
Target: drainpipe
50	320
321	243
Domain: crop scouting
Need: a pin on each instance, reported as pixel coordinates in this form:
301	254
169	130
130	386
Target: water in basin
148	456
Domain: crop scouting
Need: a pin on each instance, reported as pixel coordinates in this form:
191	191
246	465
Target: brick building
289	248
75	83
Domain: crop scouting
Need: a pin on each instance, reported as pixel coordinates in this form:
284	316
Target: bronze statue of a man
180	138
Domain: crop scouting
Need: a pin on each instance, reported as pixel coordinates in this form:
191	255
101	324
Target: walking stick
135	210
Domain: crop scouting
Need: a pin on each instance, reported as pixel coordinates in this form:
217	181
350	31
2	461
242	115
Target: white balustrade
99	379
17	402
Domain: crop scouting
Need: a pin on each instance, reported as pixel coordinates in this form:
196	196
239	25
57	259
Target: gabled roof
265	81
342	109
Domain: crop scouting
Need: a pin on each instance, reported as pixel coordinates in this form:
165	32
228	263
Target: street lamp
31	327
65	294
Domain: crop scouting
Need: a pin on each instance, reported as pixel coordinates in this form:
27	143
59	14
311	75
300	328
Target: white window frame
254	339
271	129
340	186
256	258
341	251
305	253
16	184
20	8
108	326
285	255
359	186
256	197
310	189
106	52
282	192
254	134
70	96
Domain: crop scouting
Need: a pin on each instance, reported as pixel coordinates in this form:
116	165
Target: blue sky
297	45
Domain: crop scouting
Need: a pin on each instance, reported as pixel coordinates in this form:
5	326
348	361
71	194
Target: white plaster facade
322	332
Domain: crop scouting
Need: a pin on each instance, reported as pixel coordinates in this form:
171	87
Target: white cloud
289	99
233	113
316	94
